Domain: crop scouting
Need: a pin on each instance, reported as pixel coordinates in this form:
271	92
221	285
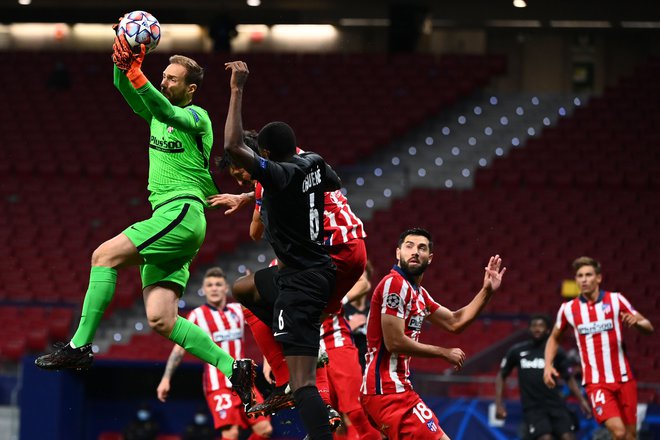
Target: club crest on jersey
393	301
607	308
432	426
170	129
599	410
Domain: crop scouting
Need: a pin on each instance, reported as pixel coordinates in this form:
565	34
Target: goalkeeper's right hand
121	59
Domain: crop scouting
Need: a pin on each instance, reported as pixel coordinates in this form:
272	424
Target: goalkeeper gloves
128	61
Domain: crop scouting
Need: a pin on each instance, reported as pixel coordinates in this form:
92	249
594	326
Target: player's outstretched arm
396	341
459	320
122	61
241	155
173	362
233	202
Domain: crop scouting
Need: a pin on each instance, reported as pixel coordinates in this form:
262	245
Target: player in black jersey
544	409
292	298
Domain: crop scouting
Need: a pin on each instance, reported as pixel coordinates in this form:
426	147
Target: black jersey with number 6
292	207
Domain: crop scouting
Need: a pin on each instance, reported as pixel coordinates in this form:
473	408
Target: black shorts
542	421
298	298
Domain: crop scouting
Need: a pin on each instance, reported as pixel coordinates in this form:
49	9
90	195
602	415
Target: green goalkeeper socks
102	283
198	343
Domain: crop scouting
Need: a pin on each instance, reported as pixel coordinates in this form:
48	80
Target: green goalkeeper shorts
168	241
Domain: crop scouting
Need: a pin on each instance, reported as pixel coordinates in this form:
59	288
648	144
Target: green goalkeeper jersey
179	144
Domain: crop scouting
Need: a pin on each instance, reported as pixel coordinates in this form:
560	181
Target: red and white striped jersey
386	372
598	331
226	327
335	331
339	221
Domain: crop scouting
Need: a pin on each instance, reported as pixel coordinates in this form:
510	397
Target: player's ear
192	88
430	257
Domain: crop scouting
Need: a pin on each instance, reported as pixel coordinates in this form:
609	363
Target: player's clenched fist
456	357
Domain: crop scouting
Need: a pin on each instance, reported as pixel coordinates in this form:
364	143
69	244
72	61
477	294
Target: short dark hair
194	72
215	272
542	317
249	139
586	261
278	138
416	231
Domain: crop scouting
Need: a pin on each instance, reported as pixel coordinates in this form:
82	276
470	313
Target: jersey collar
601	294
406	277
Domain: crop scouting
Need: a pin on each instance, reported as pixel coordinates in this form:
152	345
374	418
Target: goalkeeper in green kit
164	245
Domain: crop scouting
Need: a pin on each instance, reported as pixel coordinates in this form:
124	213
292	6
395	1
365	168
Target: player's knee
618	433
160	323
101	257
244	291
231	432
263	429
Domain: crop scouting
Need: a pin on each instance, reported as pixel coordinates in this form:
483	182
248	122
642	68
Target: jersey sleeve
394	303
561	321
626	307
273	176
509	362
131	96
188	119
431	304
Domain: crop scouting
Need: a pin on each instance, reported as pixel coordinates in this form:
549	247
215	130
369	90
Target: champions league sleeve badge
393	301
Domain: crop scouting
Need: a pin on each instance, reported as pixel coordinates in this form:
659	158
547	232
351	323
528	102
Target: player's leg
296	323
616	427
161	305
260	426
113	254
350	259
563	423
230	432
269	347
261	430
257	292
539	424
345	378
627	399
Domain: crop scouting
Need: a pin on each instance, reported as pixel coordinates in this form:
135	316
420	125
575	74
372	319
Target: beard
416	271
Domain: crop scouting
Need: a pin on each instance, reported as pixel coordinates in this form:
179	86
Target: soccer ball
140	27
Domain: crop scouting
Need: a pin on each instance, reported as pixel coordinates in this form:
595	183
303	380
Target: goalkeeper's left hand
128	61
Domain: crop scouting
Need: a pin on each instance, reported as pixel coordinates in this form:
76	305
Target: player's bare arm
359	289
242	155
396	341
549	372
256	226
577	392
637	321
233	202
459	320
173	362
500	409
